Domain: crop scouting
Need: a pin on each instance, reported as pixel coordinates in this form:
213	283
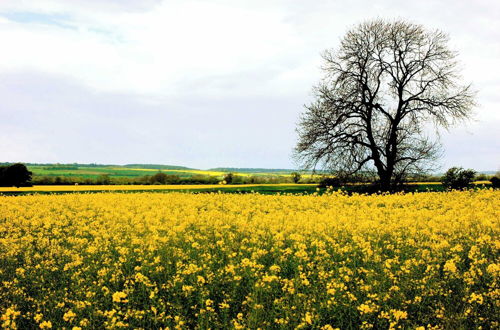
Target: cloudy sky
205	83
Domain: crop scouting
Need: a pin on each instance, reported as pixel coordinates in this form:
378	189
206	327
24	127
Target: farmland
180	260
88	171
247	188
283	188
141	174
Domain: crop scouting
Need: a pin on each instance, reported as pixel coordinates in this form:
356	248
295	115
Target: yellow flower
476	298
399	315
45	325
366	309
69	316
286	252
9	317
223	305
119	296
450	266
308	318
493	269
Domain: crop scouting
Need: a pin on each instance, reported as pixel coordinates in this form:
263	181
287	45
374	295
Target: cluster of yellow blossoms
177	260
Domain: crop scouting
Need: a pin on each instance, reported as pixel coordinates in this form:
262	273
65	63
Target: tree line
18	175
163	178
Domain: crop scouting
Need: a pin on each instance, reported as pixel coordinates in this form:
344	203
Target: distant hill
75	165
158	167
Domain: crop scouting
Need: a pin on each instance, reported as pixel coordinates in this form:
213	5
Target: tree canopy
15	175
381	88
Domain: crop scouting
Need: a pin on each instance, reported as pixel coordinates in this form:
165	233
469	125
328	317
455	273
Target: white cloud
149	52
199	56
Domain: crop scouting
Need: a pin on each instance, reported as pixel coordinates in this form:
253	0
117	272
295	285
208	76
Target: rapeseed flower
177	260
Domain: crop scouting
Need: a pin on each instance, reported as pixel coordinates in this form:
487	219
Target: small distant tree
103	179
15	175
296	177
495	180
458	178
229	178
173	179
238	179
159	177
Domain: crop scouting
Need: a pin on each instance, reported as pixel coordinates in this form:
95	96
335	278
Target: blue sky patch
60	20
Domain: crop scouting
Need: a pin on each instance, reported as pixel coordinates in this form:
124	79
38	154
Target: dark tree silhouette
15	175
495	181
458	178
381	87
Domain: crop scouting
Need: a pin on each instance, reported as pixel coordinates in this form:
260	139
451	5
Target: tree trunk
385	182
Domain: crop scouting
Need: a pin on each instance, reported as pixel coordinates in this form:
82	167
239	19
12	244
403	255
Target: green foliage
295	177
458	178
135	174
229	178
60	167
159	178
251	170
104	179
238	179
157	166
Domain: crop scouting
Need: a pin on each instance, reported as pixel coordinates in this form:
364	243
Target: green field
133	171
266	189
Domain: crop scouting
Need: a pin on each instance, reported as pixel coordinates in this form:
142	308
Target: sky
205	83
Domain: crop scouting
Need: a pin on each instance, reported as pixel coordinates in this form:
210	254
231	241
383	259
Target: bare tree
381	88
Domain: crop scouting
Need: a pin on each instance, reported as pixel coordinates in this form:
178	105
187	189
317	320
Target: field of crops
205	187
273	188
178	260
122	171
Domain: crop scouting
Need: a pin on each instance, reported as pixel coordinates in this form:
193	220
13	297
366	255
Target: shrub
228	178
237	179
458	178
330	182
159	178
103	179
295	177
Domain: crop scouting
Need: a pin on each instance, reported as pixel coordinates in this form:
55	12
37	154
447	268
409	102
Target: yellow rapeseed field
65	188
177	260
